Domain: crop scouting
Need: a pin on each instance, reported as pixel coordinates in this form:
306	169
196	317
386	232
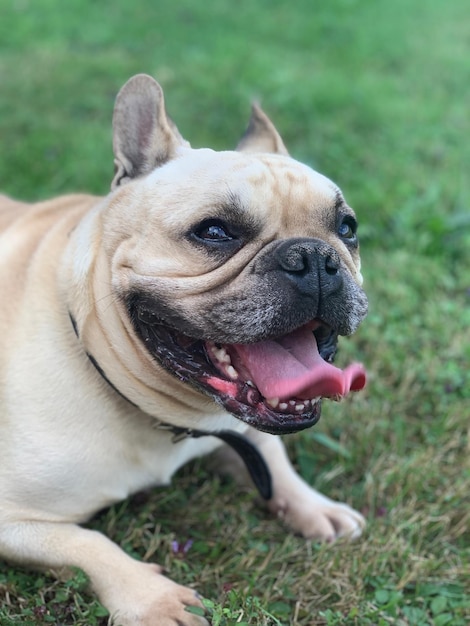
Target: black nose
311	264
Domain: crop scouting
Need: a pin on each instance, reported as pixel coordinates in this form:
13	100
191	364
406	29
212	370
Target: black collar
254	462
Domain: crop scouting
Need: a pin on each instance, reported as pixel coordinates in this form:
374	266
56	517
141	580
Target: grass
374	94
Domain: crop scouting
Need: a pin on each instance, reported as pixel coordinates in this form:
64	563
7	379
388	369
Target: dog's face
236	270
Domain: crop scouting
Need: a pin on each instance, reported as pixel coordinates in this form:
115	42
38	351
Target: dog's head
237	270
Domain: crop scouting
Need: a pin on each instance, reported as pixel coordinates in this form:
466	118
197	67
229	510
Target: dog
196	307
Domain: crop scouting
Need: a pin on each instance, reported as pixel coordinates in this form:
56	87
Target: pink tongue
291	367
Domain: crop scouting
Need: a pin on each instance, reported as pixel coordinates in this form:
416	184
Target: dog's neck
250	455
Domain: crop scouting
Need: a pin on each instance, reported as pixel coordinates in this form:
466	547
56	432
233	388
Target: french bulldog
197	305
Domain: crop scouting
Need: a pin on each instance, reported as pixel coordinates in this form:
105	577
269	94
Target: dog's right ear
144	137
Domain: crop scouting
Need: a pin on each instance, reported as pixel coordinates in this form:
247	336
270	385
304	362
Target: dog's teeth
250	383
292	403
232	372
222	355
307	403
299	407
274	402
283	406
314	401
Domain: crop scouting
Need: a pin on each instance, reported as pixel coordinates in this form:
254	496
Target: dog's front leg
303	509
135	593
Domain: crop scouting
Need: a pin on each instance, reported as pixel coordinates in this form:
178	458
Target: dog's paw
319	518
154	600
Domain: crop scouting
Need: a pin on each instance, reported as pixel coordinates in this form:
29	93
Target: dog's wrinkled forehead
273	189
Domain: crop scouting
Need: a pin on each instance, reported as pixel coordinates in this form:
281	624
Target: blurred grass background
374	94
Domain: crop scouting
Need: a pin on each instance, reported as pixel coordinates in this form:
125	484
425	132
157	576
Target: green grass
375	94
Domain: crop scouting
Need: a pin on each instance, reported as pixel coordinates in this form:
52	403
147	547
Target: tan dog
202	276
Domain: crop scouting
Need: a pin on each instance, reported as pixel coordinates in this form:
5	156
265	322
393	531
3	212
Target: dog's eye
213	231
347	229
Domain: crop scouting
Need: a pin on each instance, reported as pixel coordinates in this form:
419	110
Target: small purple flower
181	549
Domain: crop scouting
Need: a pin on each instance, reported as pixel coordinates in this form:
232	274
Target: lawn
375	94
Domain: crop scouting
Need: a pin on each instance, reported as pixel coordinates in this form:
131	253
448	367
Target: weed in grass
53	602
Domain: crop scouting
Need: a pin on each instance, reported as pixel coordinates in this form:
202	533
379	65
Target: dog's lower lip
234	387
281	424
246	402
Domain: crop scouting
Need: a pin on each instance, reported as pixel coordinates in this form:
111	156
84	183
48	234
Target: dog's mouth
275	385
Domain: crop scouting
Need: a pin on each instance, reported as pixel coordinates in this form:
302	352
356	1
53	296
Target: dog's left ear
144	136
261	135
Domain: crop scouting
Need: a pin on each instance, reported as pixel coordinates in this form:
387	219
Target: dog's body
123	318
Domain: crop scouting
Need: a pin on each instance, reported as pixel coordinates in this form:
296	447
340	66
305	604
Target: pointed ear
261	134
143	136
